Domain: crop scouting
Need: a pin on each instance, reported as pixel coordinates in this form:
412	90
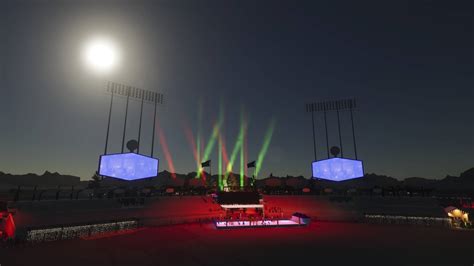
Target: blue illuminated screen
338	169
128	166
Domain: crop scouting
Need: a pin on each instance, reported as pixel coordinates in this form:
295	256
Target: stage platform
248	224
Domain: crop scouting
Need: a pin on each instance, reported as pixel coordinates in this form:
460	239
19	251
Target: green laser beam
242	121
211	142
266	143
236	148
221	119
219	177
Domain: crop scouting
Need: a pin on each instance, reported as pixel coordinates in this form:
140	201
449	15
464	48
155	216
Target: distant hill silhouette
468	174
46	179
463	182
420	182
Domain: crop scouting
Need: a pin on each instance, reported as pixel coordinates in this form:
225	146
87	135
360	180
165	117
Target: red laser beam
166	151
225	158
191	142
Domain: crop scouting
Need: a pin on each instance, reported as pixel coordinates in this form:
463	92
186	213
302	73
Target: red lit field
320	243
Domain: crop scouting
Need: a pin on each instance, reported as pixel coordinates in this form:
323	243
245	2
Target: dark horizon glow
409	65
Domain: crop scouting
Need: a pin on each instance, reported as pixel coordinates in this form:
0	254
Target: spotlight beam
266	144
237	148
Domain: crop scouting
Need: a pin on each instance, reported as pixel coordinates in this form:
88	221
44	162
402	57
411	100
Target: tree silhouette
96	181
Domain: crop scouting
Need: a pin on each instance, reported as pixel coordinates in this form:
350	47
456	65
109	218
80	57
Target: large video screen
128	166
338	169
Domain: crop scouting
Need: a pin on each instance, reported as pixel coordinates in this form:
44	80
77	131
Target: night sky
409	64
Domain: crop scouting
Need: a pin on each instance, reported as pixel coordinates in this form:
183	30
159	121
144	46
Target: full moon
101	55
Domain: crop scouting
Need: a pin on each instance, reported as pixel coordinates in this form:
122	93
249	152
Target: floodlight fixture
325	107
337	168
145	96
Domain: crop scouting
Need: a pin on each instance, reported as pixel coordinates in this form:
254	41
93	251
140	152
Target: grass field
321	243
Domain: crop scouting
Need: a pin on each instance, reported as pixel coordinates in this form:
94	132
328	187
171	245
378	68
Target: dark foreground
318	244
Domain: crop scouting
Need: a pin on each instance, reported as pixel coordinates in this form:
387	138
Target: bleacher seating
154	211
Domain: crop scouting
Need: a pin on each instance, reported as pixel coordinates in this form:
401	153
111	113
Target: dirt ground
321	243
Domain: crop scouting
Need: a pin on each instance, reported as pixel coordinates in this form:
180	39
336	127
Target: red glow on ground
321	243
7	227
112	234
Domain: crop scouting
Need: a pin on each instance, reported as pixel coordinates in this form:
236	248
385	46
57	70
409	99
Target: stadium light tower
130	166
102	56
335	169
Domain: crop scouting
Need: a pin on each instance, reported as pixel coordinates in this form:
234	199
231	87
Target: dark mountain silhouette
46	179
452	184
372	180
468	174
419	182
463	182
